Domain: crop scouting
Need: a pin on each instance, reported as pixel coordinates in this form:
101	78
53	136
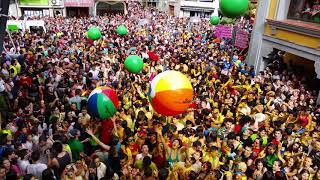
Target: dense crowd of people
241	125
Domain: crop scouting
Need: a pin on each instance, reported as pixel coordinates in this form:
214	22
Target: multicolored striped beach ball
103	102
170	93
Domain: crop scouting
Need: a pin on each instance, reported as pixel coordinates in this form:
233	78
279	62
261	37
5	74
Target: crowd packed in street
240	125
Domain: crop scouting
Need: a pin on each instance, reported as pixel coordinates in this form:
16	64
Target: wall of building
14	10
292	37
214	4
197	4
273	30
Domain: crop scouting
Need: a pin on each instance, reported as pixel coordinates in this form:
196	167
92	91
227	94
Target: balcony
301	27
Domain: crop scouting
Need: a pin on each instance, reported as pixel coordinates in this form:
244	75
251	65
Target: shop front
40	8
31	8
103	7
78	8
109	8
290	27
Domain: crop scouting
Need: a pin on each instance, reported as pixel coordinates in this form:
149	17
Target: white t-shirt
36	169
23	166
101	170
95	74
2	88
28	145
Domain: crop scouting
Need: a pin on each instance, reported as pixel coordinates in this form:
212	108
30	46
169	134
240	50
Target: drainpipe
3	21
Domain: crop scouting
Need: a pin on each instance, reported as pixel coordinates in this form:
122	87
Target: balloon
122	30
170	93
214	20
233	8
153	56
94	33
133	64
103	102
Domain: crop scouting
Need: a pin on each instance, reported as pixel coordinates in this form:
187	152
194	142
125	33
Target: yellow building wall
293	37
272	9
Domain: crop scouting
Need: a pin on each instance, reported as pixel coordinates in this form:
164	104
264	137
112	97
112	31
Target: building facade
36	8
196	8
292	26
69	8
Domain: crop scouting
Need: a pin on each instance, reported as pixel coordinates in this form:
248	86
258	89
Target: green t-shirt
76	148
139	164
270	159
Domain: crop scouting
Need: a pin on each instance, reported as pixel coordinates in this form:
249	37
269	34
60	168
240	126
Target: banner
223	31
242	39
34	2
79	3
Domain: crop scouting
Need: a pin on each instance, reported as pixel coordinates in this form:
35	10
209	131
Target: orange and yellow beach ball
170	93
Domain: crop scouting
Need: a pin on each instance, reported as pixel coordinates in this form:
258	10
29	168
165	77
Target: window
305	10
36	29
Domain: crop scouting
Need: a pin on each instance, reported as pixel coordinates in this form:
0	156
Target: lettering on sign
223	31
242	39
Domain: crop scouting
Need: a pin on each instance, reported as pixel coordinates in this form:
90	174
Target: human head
276	165
145	149
97	161
176	143
2	172
6	164
163	174
35	156
271	149
29	177
48	174
304	174
57	146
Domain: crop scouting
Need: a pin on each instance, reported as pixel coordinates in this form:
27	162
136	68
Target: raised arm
104	146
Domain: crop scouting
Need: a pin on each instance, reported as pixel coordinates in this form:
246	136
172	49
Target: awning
199	9
79	3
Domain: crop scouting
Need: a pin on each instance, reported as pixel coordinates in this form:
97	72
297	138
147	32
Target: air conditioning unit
55	2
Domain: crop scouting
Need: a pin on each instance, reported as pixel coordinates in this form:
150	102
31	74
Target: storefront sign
223	31
34	2
78	3
242	39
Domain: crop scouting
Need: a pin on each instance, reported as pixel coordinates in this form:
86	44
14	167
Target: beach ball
233	8
133	64
170	93
94	33
103	102
122	30
214	20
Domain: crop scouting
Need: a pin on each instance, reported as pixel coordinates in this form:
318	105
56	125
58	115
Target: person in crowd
36	168
241	123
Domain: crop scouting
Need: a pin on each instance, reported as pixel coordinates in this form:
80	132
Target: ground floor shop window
305	10
77	11
200	14
36	12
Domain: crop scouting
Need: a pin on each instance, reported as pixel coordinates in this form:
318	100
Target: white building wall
14	10
197	4
214	4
